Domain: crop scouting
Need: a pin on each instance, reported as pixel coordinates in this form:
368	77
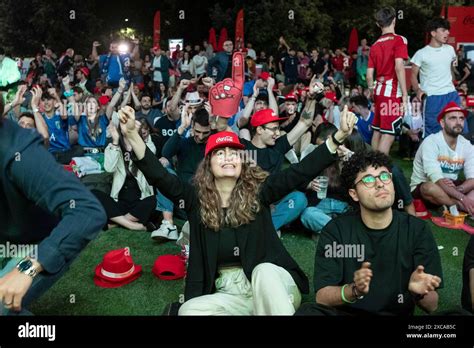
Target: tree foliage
25	25
325	23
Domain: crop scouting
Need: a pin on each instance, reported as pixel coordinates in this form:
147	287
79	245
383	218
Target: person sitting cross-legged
439	161
377	260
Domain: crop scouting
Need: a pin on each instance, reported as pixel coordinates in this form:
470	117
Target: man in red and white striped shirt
387	56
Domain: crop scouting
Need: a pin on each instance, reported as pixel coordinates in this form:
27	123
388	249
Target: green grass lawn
76	293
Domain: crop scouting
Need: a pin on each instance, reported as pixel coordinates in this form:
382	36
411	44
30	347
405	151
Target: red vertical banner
222	39
353	41
443	13
239	30
212	39
156	29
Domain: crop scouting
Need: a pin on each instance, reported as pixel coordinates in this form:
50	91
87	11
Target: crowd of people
142	131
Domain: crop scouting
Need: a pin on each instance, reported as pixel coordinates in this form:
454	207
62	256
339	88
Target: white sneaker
167	231
184	235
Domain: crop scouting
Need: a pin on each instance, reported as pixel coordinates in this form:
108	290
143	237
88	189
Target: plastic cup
323	186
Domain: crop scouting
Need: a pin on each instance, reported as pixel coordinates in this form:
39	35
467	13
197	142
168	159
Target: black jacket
42	203
257	241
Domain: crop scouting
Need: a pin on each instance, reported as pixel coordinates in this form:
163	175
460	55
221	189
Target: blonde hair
244	203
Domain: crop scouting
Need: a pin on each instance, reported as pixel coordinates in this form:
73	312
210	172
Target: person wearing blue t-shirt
92	126
58	129
114	65
360	106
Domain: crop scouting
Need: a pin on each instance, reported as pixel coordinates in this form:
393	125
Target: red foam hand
225	96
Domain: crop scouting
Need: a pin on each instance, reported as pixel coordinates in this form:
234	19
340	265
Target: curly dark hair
359	162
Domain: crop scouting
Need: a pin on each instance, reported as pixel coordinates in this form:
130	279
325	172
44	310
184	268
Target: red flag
239	30
443	10
212	39
222	39
353	41
156	29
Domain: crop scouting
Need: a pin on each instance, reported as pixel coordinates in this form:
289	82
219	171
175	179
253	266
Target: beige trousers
271	292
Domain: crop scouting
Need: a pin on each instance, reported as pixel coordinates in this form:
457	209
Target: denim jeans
315	218
339	76
288	209
162	203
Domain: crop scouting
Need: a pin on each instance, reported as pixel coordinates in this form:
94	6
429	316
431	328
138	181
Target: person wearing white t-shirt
251	52
200	63
434	63
439	161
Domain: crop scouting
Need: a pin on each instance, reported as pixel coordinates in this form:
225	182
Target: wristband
355	293
337	142
343	296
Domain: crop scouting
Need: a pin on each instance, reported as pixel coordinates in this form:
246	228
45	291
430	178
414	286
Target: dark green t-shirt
394	253
270	158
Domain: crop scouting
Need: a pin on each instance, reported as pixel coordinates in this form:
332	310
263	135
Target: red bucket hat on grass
169	267
117	269
420	210
451	107
265	116
222	139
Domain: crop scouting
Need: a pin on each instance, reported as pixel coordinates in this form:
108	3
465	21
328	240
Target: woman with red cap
237	263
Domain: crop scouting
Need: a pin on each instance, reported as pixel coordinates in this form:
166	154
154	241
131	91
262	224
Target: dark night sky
140	13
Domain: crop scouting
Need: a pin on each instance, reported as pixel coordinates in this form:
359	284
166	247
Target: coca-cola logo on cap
226	138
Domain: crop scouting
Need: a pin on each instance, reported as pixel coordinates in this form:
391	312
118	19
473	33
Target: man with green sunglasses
375	260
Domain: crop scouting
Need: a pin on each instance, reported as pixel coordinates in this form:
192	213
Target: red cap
265	116
331	96
451	107
169	267
104	100
470	101
264	76
222	139
85	71
141	86
156	47
117	269
291	97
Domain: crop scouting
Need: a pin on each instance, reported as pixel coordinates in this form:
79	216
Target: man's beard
381	206
452	132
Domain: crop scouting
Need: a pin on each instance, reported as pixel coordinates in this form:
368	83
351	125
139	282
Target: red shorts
387	118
